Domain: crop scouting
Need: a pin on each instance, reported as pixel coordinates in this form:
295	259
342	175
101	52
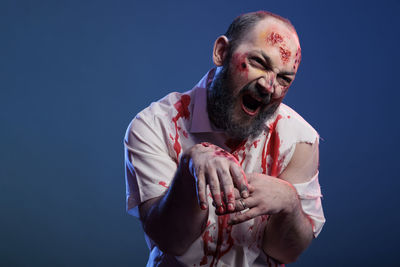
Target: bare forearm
175	220
287	235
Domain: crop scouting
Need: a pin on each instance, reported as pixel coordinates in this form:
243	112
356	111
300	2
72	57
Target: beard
221	105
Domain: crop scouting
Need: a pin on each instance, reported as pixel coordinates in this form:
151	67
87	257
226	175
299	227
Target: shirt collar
200	120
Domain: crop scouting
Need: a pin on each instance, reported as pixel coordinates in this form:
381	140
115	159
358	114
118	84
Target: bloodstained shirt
158	136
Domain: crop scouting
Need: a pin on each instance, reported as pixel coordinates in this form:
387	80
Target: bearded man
226	174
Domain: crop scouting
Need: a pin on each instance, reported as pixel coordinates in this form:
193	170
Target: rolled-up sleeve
310	197
149	168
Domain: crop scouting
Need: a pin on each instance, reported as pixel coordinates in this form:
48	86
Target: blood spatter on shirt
185	134
234	144
162	183
182	107
255	143
224	242
271	150
236	147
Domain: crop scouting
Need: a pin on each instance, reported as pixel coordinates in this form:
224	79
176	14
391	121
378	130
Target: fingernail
231	207
221	209
203	206
245	194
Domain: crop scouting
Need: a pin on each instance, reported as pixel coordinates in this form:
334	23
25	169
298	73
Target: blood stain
222	225
255	143
162	183
239	63
272	150
285	54
274	38
183	112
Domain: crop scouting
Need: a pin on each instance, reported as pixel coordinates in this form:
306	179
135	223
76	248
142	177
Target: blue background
74	73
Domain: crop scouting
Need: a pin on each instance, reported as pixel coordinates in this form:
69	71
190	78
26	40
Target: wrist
293	205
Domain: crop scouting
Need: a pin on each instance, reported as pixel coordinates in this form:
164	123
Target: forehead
272	32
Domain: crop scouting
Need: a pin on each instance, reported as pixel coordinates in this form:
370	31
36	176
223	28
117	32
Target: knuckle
214	187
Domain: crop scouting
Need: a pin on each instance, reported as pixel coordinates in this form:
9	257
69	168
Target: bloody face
254	80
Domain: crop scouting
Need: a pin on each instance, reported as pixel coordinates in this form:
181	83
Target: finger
250	177
239	179
213	182
244	203
201	188
245	216
237	193
227	187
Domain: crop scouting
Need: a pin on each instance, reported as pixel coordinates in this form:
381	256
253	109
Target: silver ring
242	202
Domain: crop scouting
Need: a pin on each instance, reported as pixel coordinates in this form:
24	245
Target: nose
265	85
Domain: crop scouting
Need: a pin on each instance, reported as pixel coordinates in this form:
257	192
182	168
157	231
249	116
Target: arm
175	220
289	231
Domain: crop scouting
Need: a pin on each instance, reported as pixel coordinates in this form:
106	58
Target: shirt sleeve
149	168
310	197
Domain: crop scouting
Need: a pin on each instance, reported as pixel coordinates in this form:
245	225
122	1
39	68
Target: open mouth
250	105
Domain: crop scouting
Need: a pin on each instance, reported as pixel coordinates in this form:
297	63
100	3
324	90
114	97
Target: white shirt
157	137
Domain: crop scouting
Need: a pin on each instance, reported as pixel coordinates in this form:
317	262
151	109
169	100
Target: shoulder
302	141
294	127
152	125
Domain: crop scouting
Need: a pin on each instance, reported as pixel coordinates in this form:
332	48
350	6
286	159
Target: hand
213	166
269	195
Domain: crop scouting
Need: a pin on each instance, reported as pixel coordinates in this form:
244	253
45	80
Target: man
225	174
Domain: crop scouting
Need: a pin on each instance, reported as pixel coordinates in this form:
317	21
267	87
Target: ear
220	50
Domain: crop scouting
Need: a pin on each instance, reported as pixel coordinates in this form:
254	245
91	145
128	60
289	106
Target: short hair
242	24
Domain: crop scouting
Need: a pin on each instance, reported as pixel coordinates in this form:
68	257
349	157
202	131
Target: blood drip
222	225
272	151
206	238
183	112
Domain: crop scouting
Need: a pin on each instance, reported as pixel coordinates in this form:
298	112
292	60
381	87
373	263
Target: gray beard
220	107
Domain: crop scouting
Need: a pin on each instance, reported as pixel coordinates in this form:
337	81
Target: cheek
239	65
280	92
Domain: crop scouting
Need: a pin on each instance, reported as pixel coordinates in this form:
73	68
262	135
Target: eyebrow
268	60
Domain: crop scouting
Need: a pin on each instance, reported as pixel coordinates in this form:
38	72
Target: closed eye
285	79
258	62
